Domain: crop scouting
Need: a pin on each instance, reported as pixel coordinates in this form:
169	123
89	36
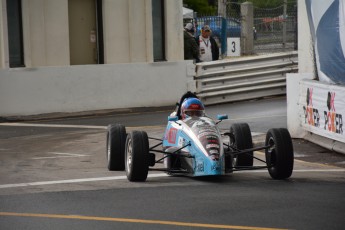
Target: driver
192	107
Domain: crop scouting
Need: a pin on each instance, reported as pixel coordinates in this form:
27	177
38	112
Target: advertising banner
327	26
322	108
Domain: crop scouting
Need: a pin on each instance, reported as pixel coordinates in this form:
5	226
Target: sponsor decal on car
209	146
172	135
199	166
214	151
215	166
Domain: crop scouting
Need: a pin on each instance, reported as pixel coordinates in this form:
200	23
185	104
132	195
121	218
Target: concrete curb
327	143
91	113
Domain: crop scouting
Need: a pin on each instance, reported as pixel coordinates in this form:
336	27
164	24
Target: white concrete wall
296	101
3	36
45	31
115	31
127	32
30	91
174	30
129	78
305	47
305	69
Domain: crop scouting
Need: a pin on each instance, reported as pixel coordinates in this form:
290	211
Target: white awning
187	13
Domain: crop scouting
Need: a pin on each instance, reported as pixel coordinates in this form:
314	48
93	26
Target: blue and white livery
193	145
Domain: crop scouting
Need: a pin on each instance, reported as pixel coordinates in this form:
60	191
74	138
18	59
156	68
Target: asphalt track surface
53	176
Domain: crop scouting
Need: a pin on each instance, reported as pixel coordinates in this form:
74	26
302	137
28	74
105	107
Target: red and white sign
322	108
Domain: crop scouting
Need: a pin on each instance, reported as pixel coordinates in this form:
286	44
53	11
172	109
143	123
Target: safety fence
244	78
274	31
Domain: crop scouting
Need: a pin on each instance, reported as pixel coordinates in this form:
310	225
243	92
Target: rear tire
137	156
116	139
280	156
242	140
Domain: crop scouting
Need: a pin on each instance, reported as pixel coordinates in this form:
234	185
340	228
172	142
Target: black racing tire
137	156
115	152
242	140
280	156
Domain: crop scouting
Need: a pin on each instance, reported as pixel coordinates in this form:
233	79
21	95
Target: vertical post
222	13
4	53
296	28
222	8
247	23
223	37
284	24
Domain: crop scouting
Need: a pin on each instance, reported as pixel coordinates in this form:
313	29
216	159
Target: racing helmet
192	107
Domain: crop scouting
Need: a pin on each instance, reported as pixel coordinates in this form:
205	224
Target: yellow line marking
161	222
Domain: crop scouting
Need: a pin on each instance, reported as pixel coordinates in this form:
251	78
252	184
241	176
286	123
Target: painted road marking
77	126
53	125
74	181
139	221
71	181
62	155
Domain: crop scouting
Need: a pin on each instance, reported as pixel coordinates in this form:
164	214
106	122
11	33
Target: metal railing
244	78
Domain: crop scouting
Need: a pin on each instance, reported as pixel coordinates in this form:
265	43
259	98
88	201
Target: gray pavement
54	170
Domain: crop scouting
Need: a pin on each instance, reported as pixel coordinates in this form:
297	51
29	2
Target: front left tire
137	156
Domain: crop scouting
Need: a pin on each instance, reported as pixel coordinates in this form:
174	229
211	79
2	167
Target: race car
193	145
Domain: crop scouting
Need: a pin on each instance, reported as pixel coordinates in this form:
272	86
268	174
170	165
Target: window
15	33
100	45
158	30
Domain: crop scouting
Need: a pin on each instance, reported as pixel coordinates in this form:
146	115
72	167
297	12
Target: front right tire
279	156
116	139
242	139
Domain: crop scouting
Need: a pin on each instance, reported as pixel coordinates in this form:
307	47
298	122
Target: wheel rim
271	144
129	156
271	151
108	147
233	144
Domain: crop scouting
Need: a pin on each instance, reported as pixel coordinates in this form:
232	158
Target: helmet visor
194	113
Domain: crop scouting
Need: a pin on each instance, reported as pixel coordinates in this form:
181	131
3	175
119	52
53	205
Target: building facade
126	39
75	32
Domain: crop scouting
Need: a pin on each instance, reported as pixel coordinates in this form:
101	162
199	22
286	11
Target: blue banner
327	25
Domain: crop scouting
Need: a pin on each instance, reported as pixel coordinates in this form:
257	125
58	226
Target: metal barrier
244	78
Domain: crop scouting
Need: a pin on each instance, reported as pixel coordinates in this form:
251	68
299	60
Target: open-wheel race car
193	145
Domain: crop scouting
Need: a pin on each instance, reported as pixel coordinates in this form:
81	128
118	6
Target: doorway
85	32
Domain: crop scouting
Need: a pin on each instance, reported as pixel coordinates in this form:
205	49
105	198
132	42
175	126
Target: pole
284	24
222	13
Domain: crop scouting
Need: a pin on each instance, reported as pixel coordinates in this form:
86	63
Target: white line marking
62	155
74	181
54	125
296	170
41	158
68	154
149	176
77	126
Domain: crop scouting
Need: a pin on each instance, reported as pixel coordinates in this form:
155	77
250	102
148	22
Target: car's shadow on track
213	179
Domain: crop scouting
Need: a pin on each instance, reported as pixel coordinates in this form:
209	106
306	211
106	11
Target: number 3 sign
233	47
